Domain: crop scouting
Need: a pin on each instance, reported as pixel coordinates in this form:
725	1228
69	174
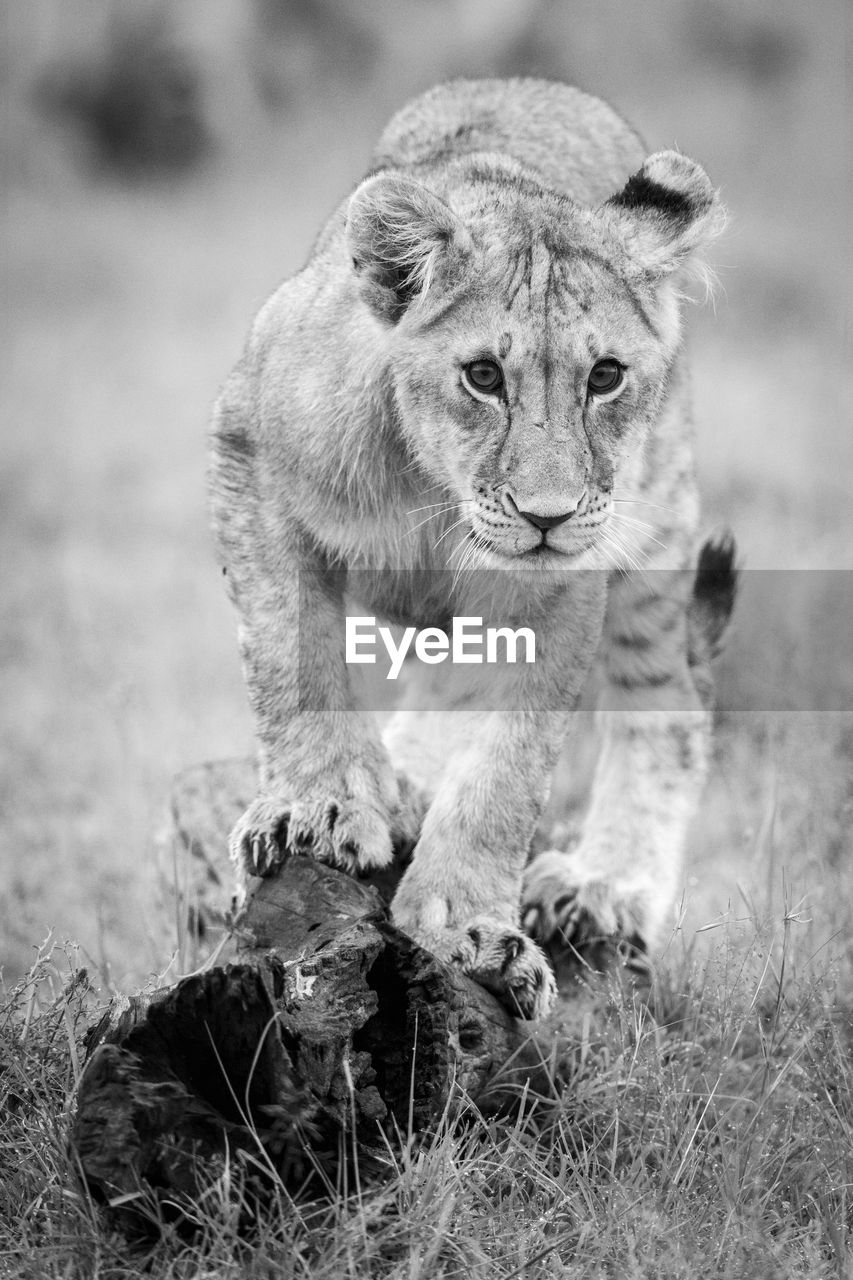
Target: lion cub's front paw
349	834
497	956
508	964
564	906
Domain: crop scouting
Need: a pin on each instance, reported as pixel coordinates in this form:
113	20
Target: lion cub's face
531	339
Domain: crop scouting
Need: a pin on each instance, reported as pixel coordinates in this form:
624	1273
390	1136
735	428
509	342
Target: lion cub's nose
542	521
545	522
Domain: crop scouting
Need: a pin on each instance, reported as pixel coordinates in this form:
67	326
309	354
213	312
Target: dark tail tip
715	591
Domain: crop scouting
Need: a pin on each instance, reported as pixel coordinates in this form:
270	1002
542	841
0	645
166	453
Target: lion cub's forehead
561	289
535	247
529	272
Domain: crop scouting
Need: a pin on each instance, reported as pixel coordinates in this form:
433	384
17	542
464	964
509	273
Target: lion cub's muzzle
516	527
543	519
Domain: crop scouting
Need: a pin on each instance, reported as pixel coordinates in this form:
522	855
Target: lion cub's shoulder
577	143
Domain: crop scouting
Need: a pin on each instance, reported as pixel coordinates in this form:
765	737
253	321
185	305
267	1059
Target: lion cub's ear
666	212
401	238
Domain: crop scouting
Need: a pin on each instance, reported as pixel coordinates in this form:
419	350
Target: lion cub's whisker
645	529
468	546
449	529
614	555
607	555
644	502
445	506
628	552
642	524
435	515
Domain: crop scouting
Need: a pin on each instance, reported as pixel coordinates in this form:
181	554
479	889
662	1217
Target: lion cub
478	374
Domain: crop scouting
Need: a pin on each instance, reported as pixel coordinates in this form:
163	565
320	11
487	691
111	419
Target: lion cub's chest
410	597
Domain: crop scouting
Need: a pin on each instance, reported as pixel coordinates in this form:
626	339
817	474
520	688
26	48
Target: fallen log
320	1022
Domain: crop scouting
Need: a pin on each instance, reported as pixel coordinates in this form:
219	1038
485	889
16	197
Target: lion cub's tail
710	610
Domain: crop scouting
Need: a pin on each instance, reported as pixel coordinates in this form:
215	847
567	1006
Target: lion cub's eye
605	377
483	377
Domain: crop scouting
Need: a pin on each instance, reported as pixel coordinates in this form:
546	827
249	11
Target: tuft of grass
707	1131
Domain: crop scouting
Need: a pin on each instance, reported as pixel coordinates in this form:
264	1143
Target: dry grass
712	1138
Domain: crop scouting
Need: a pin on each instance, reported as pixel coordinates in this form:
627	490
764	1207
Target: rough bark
323	1023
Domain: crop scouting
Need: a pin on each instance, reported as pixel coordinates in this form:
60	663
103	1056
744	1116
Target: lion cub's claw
351	836
563	908
257	842
509	965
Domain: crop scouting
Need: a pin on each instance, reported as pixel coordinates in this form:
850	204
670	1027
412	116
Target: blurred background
164	165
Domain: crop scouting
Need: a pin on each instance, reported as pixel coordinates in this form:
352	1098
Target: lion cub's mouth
542	556
546	555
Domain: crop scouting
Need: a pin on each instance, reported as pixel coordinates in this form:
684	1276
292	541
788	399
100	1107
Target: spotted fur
516	222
